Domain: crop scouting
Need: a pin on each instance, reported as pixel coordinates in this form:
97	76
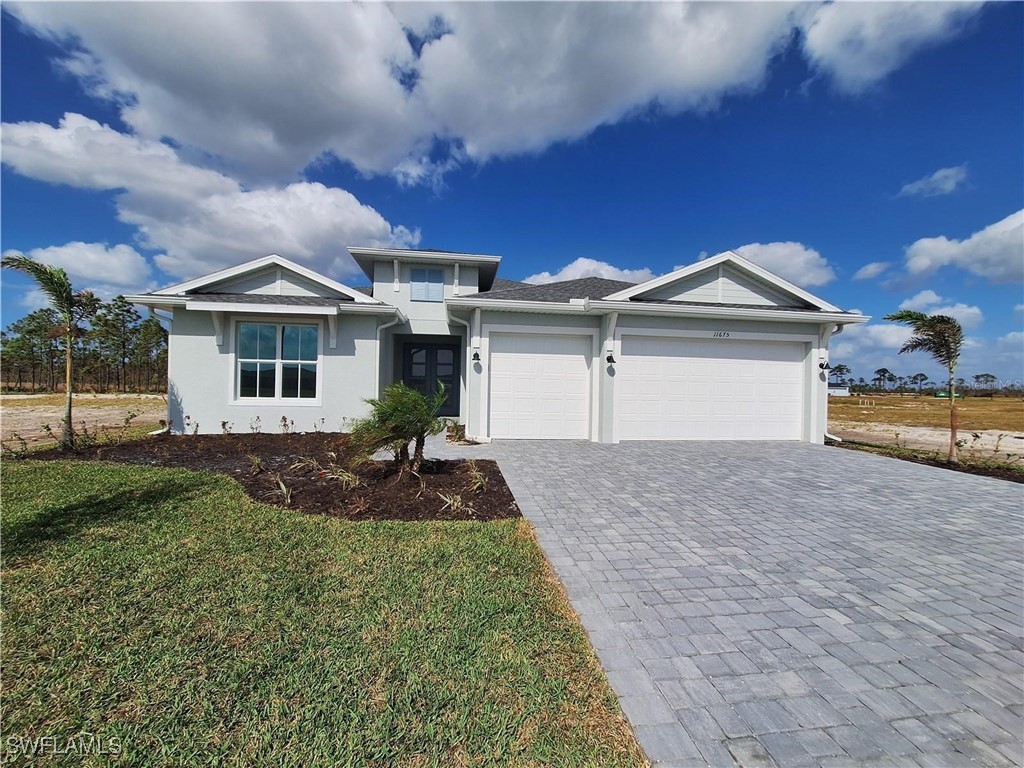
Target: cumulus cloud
858	44
415	89
968	316
921	300
995	252
201	219
584	267
94	266
872	270
795	262
944	181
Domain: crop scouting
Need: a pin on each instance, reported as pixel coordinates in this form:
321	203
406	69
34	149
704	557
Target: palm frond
53	281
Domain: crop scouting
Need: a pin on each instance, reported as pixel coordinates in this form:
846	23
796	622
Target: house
719	350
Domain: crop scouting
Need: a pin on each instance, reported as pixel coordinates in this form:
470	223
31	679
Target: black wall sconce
610	359
825	366
476	357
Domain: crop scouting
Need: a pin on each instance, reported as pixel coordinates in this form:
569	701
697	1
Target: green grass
163	608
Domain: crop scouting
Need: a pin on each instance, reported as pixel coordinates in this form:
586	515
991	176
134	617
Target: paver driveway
792	604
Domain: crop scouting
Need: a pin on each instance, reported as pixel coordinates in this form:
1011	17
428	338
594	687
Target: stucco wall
202	375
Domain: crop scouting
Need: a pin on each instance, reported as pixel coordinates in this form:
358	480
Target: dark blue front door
424	366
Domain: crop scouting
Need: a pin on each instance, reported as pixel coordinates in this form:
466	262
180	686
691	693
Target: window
427	285
277	361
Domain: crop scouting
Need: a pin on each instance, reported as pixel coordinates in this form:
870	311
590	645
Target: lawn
975	413
164	608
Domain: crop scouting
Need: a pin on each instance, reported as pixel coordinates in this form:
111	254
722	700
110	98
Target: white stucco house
719	350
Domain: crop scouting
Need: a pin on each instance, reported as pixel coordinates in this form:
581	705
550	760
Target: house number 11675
721	334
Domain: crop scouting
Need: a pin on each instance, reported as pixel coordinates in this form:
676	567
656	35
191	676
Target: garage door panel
691	389
539	386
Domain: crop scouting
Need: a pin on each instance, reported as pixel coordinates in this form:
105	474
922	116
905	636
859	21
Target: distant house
838	390
719	350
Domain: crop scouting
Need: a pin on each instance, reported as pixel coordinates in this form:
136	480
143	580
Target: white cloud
1019	308
795	262
95	267
202	220
858	44
921	300
268	88
584	267
944	181
968	316
872	270
996	252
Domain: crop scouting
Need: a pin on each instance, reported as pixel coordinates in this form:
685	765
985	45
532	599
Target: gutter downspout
468	363
399	318
835	332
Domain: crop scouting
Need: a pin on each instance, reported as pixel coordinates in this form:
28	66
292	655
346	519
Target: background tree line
115	350
884	380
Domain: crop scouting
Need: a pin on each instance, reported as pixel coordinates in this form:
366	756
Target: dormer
401	276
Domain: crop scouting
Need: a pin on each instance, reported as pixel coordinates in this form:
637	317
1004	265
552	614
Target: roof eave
803	315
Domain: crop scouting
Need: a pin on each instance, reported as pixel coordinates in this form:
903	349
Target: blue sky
872	153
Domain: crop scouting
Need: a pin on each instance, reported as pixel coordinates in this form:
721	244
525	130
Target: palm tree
942	337
72	307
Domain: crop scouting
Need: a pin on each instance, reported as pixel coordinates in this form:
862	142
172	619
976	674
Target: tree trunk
417	454
953	458
67	433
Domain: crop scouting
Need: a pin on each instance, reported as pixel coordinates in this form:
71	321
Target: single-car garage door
540	386
709	389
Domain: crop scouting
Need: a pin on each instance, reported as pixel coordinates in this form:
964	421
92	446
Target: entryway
425	365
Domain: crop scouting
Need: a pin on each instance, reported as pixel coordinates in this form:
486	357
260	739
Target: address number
721	334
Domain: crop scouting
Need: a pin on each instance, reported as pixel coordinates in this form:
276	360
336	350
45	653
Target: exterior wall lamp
476	357
610	359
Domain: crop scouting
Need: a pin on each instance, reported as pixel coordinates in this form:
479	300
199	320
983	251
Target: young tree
942	337
402	416
72	307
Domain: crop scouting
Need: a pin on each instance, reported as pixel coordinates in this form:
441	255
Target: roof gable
269	275
727	278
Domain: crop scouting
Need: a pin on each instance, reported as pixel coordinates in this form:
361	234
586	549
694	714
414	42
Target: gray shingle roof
560	292
678	303
503	284
262	298
367	289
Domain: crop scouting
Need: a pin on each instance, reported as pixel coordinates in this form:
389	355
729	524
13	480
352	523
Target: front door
424	366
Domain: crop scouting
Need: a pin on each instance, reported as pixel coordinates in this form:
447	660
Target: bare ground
26	415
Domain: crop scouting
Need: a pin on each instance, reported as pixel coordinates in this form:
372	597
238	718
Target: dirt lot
26	414
310	472
923	422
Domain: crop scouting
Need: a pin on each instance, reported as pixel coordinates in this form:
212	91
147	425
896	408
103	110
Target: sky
871	153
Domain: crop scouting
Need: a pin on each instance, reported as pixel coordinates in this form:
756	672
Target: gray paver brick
791	574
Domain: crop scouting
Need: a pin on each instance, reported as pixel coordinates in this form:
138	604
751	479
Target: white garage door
709	389
540	386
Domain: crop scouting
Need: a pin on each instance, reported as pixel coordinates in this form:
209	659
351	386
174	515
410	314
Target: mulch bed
1002	472
262	463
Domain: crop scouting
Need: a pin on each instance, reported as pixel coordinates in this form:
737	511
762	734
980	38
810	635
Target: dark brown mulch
1000	471
263	462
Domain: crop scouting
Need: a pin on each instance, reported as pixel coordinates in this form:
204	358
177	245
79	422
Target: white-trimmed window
277	361
426	285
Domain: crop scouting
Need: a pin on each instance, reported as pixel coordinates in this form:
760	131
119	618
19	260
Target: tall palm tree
942	337
72	307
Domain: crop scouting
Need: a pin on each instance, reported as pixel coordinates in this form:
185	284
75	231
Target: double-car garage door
666	388
709	389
